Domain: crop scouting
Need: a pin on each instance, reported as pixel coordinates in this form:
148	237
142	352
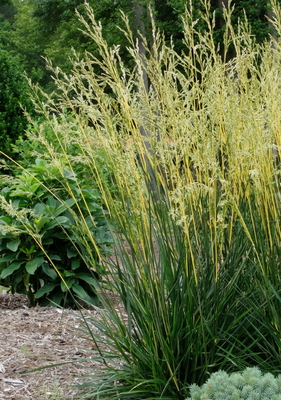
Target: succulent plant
251	384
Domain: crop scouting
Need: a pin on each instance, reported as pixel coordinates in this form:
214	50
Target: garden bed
31	338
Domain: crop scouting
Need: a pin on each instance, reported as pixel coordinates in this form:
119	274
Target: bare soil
31	338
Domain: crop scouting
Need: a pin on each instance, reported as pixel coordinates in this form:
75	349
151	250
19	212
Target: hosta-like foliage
45	249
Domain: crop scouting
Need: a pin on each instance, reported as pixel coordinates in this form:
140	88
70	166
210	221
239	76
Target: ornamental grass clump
190	179
251	384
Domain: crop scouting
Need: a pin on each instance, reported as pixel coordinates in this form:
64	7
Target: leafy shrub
249	385
45	252
13	98
62	133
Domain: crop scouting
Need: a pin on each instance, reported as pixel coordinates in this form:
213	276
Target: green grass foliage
194	161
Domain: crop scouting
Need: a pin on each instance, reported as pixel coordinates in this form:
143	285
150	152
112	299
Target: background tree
32	29
7	13
60	28
13	96
28	45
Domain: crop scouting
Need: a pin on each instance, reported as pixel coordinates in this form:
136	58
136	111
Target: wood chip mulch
31	338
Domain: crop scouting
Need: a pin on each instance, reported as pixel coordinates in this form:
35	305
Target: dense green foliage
27	44
7	13
45	252
32	29
14	96
249	385
197	207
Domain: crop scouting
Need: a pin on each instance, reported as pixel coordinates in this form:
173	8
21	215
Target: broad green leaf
75	264
35	186
93	207
5	220
13	245
81	293
62	220
70	202
67	283
63	207
63	287
56	297
87	278
69	273
59	235
5	190
11	268
45	289
71	252
70	175
41	163
47	241
2	246
51	225
51	202
49	271
55	257
31	266
10	257
39	208
41	222
17	278
18	203
60	209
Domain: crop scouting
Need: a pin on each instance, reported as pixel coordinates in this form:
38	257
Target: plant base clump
250	385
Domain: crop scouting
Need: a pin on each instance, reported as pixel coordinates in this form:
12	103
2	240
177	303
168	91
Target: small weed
54	392
25	350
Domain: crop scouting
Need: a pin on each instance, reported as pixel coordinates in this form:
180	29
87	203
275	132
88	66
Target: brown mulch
31	338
